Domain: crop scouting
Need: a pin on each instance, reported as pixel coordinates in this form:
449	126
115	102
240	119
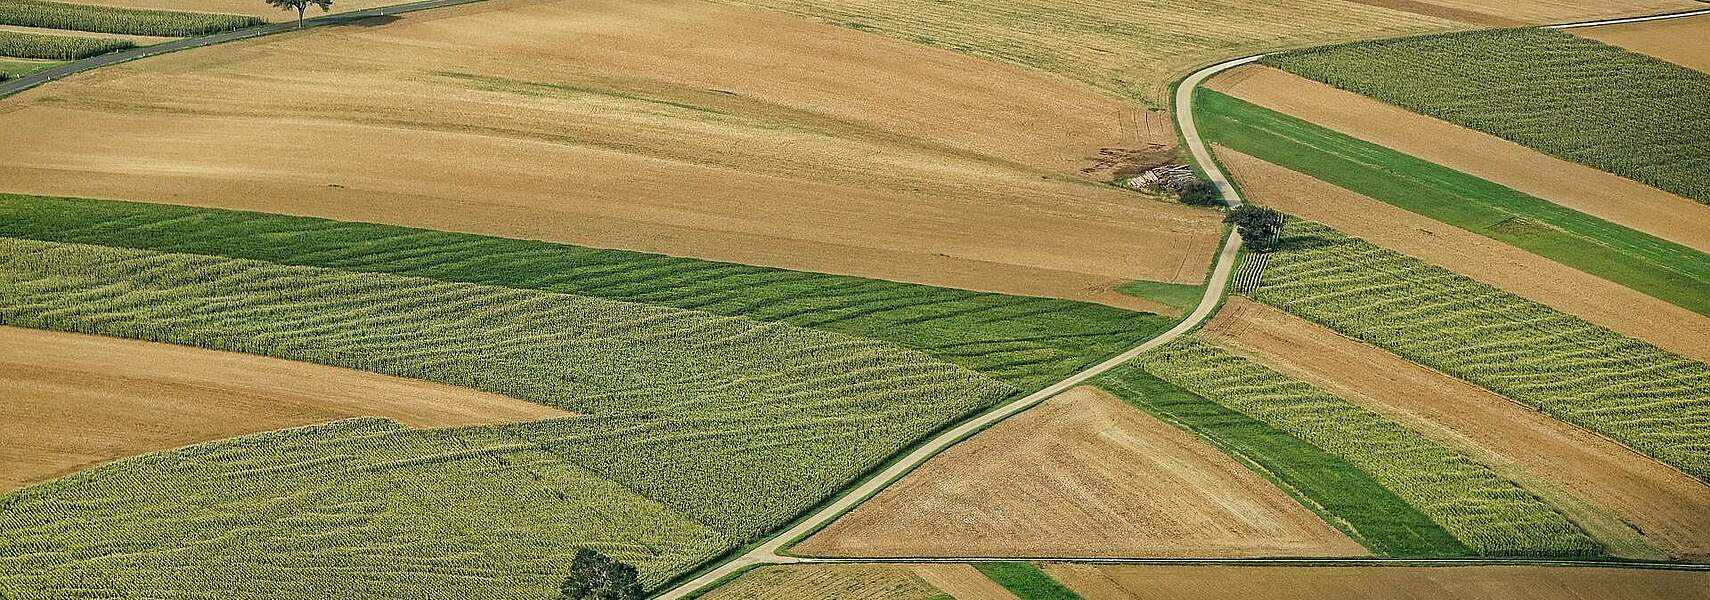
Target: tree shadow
370	21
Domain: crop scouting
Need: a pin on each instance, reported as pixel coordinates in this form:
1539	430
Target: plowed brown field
1585	189
1083	474
1669	507
1684	41
72	401
680	128
1139	582
1507	13
1523	273
861	582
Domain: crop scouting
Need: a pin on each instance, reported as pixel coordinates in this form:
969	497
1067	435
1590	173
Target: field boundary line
1364	561
1625	20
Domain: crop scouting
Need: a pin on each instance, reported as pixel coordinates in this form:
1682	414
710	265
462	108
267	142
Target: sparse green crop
56	47
110	19
1645	397
1485	512
1579	99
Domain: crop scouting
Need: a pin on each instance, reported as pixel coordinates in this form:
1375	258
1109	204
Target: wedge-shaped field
1027	342
683	128
1626	113
1655	266
1640	395
736	423
74	400
1145	582
353	509
1135	50
1684	41
1482	510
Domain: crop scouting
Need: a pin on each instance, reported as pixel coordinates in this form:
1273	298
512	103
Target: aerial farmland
854	300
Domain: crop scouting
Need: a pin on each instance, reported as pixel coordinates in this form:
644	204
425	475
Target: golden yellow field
1684	41
861	582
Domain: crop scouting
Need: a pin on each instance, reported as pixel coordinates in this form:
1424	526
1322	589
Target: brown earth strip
1137	582
1446	12
1525	274
962	582
1505	13
1593	192
1684	41
828	582
1670	508
1083	474
72	401
681	128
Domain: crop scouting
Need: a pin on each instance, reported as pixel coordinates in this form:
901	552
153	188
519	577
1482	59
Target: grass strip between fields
56	47
1652	400
1026	342
1633	115
1651	265
112	19
1483	511
1026	581
1342	494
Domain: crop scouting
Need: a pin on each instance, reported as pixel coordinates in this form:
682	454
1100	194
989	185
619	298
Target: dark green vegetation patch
1026	581
56	47
1582	100
1651	265
109	19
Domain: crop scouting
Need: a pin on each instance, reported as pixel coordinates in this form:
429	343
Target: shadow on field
374	21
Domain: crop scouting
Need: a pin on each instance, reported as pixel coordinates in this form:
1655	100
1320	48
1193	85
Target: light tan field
1670	508
861	582
1083	474
682	128
1146	582
1525	274
72	401
1134	49
1585	189
1507	13
242	7
140	40
1684	41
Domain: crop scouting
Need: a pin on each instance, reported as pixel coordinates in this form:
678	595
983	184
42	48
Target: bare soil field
1525	274
1684	41
680	128
1083	474
1579	187
72	401
861	582
1509	13
242	7
1669	507
1124	582
1134	49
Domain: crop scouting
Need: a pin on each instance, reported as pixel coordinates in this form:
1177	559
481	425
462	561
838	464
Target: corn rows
108	19
56	47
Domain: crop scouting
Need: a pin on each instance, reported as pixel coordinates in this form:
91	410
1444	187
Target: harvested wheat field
1684	41
678	128
1083	474
72	400
1510	13
1585	189
861	582
242	7
1671	508
1525	274
1125	582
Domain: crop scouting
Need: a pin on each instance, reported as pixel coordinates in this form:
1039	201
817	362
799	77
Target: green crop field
1582	100
1027	342
1026	581
1486	513
1647	398
108	19
1341	493
358	509
56	47
1643	262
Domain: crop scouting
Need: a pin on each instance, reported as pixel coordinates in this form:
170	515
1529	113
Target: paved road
13	86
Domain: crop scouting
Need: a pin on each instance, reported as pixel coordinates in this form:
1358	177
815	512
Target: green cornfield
1578	99
56	47
108	19
1650	399
1487	513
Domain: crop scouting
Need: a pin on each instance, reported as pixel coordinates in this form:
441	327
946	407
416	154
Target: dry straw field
1129	582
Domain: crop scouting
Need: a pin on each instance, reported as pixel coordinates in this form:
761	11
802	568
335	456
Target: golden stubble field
680	128
1137	582
1511	13
1684	41
875	581
72	401
1084	475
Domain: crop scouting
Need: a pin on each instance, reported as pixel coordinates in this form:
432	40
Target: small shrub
1200	192
1259	227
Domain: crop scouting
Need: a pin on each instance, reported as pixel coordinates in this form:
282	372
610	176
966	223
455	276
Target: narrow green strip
1026	581
1657	267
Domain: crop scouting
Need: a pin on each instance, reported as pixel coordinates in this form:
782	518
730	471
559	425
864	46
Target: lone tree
301	5
595	576
1259	227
